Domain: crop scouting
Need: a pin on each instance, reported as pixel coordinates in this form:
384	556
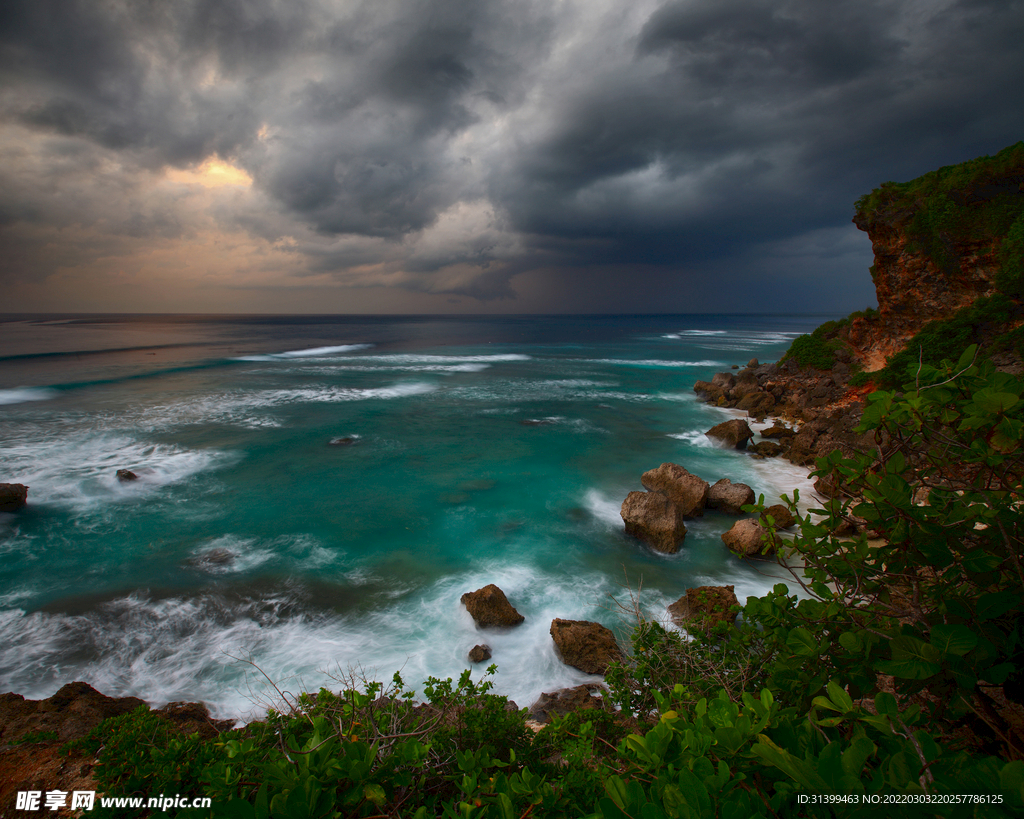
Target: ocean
315	493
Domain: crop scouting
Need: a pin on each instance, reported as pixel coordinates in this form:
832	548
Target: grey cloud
453	145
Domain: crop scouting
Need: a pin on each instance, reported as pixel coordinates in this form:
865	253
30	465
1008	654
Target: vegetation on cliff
892	678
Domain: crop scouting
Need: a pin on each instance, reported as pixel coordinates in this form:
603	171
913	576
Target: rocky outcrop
70	714
688	492
566	700
654	519
705	606
490	608
13	496
126	476
729	497
733	433
747	538
590	647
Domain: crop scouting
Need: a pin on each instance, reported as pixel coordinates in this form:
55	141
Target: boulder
590	647
705	606
654	519
71	713
478	654
781	515
734	433
566	700
756	403
778	431
688	492
711	393
745	539
767	449
345	440
13	496
490	608
126	475
725	381
728	497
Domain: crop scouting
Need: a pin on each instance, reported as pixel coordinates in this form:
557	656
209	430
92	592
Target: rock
490	608
71	713
688	492
345	440
13	496
194	718
708	391
654	519
734	433
753	364
767	449
781	515
778	431
745	538
478	654
537	422
126	475
706	606
213	557
757	402
566	700
590	647
728	497
725	381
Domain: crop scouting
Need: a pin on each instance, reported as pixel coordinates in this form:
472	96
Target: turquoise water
473	451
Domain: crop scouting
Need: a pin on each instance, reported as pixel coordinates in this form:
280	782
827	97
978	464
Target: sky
477	156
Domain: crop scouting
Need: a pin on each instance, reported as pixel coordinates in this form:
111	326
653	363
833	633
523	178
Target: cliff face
913	290
940	244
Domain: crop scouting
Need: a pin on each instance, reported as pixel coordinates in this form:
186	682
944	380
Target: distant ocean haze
316	493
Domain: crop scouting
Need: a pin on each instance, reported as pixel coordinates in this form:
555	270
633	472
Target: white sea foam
604	508
312	352
653	362
20	395
81	471
694	438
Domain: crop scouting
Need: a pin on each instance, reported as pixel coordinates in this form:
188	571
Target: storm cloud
519	156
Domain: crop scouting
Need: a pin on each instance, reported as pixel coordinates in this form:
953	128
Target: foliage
34	737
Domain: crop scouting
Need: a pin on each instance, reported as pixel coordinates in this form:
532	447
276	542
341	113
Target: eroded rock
654	519
13	496
734	433
687	491
588	646
490	608
746	538
705	606
729	497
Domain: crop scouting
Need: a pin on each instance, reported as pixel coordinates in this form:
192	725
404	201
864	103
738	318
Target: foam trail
20	395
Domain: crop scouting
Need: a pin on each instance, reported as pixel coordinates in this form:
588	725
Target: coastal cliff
948	272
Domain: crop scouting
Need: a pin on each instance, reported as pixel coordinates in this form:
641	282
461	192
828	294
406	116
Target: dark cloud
460	146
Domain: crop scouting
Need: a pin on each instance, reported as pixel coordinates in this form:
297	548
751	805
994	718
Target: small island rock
688	492
729	497
490	608
479	654
744	538
13	496
590	647
781	515
654	519
126	475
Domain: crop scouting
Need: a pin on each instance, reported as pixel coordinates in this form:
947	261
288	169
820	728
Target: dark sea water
478	450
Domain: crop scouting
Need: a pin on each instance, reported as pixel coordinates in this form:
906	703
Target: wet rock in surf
126	476
13	496
588	646
489	608
705	606
212	558
729	497
537	422
781	515
734	433
345	440
654	519
688	492
478	654
747	538
566	700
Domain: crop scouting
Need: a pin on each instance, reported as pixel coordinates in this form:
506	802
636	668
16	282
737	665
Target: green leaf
912	659
802	643
953	639
991	606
